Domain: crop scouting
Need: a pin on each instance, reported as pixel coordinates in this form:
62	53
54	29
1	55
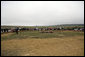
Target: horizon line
39	25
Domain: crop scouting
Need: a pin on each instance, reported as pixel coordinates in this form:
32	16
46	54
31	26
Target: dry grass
6	34
72	46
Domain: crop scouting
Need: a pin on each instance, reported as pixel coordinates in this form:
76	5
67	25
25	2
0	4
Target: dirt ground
72	46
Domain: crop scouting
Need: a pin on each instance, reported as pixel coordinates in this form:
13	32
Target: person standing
17	30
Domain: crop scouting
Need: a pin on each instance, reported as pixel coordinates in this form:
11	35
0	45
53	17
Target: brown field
72	46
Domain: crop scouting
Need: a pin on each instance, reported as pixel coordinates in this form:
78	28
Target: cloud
42	12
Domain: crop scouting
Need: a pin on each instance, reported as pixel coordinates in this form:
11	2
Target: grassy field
34	43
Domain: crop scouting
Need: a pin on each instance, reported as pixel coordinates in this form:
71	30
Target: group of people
4	30
37	29
10	30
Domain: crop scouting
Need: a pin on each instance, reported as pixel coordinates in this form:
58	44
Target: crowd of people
38	29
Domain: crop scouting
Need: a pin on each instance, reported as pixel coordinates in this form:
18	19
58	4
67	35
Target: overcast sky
42	12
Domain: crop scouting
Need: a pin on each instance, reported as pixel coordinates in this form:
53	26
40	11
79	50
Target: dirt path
43	47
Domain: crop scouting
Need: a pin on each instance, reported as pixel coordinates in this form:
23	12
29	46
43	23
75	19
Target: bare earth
73	46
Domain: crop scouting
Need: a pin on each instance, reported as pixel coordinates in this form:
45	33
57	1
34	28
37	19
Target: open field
34	43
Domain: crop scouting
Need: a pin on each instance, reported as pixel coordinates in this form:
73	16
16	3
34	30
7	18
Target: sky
31	13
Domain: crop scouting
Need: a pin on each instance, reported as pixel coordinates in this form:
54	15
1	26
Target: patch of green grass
37	34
